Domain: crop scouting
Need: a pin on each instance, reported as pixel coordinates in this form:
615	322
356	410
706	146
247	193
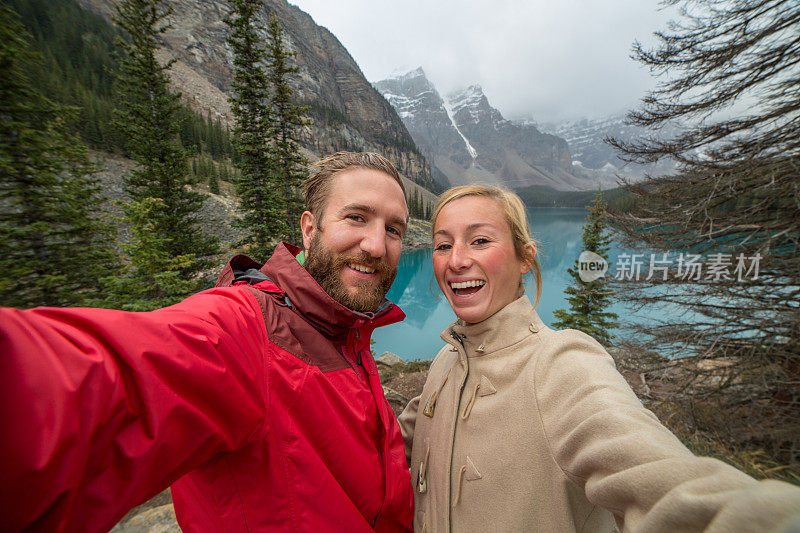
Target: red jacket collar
308	297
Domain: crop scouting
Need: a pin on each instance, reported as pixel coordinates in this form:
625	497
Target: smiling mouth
465	288
361	268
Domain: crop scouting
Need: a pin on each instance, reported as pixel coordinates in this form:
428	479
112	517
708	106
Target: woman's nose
459	258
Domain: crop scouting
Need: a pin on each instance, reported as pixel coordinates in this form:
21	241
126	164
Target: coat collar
316	305
506	327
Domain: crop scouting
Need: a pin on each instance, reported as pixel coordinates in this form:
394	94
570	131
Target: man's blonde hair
317	187
514	213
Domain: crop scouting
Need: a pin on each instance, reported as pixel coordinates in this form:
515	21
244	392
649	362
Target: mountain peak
472	92
416	73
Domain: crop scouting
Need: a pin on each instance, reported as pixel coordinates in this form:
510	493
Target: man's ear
308	225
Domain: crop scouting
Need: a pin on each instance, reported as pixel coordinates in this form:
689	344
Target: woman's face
474	260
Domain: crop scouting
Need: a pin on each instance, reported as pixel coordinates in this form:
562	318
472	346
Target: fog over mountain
559	60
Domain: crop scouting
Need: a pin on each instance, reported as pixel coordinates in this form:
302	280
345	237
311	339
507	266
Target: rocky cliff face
346	112
468	140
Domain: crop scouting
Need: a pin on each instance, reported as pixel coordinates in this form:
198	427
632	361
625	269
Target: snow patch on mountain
451	115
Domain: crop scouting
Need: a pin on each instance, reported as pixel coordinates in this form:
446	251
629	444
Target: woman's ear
307	227
530	255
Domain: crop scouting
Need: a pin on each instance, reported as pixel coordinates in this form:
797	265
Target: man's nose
374	242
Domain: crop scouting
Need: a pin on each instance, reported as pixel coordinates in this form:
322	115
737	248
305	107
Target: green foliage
54	247
213	183
327	115
203	135
418	207
267	132
150	116
154	278
286	126
258	197
588	301
77	49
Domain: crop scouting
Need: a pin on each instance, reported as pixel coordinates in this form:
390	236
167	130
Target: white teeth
362	268
466	284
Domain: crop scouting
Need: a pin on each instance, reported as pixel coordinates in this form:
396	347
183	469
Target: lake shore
418	235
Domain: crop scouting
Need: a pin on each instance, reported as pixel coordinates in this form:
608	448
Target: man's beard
326	268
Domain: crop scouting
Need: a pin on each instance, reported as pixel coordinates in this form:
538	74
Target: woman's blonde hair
514	212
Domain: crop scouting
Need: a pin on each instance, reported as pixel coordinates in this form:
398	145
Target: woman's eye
480	241
442	247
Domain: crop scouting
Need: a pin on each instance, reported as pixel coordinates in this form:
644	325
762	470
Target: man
258	401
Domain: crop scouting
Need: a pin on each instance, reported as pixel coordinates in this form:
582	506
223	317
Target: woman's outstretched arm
604	439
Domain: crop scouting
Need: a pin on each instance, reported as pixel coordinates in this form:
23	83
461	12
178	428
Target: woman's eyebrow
477	225
471	227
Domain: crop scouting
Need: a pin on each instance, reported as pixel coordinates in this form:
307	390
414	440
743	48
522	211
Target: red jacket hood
307	296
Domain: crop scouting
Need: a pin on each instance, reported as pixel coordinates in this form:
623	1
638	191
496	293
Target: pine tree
213	179
413	204
155	278
734	195
150	115
262	220
54	246
287	122
588	301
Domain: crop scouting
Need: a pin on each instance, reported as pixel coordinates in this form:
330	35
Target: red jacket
252	405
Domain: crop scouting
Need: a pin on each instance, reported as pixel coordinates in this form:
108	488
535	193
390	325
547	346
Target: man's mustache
381	267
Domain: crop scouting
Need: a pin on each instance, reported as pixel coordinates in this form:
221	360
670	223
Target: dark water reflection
428	313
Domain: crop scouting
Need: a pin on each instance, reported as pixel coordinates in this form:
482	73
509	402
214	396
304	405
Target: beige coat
522	428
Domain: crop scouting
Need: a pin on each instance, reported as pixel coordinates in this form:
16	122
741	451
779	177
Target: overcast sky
552	59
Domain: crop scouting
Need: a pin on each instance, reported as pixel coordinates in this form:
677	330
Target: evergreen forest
78	50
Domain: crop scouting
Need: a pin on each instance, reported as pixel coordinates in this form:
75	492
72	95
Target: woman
522	428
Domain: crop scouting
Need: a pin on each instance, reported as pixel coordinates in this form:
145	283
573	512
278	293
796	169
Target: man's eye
356	218
394	231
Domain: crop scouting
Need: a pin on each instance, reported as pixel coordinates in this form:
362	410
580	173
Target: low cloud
549	60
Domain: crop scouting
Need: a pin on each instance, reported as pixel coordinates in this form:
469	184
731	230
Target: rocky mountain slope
468	140
346	112
220	210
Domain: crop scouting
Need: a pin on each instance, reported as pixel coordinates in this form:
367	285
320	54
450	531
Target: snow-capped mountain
468	140
425	115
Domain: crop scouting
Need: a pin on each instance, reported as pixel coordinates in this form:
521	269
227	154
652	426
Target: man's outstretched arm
101	409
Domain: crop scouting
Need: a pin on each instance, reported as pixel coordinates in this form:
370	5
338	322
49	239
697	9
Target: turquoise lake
428	313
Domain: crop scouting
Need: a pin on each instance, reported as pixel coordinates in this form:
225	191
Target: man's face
354	248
